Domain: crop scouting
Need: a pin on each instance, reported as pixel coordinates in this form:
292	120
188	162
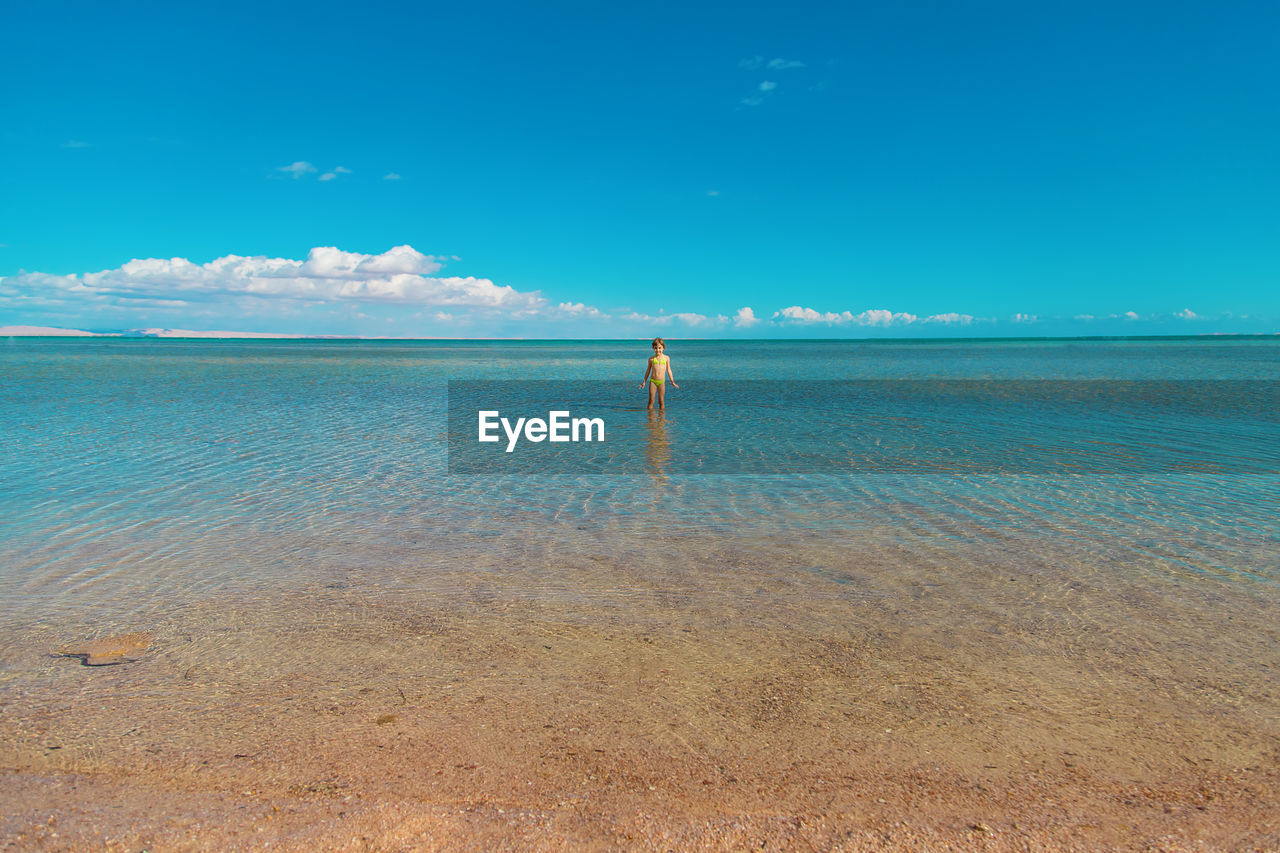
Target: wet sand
330	718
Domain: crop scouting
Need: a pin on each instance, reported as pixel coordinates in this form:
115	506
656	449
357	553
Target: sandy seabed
746	711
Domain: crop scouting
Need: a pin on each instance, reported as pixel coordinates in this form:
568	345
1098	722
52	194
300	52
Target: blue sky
582	169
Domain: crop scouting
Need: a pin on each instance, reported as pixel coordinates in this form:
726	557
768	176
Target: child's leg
662	396
652	387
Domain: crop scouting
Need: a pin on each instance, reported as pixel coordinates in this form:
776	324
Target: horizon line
48	332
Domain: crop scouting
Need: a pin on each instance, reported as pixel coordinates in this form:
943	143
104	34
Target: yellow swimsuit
654	369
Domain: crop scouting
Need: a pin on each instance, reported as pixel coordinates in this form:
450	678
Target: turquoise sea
140	473
275	509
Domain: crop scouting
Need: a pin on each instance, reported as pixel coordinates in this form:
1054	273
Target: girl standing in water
657	373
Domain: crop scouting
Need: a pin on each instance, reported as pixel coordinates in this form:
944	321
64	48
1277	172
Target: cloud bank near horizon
402	293
881	317
265	290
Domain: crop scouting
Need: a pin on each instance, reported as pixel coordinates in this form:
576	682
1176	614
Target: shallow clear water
140	473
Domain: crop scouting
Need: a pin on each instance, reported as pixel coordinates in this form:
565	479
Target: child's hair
657	341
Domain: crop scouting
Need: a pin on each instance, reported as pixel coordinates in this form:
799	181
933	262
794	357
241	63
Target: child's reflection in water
657	453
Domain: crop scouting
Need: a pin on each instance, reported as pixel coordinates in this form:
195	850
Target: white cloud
297	168
401	285
883	317
701	320
343	170
327	261
871	317
401	275
637	317
193	333
808	315
391	176
578	309
765	90
1085	317
38	290
687	318
755	63
713	193
950	319
329	176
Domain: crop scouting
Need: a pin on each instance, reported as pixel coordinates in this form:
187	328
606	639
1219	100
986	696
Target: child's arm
671	372
648	368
